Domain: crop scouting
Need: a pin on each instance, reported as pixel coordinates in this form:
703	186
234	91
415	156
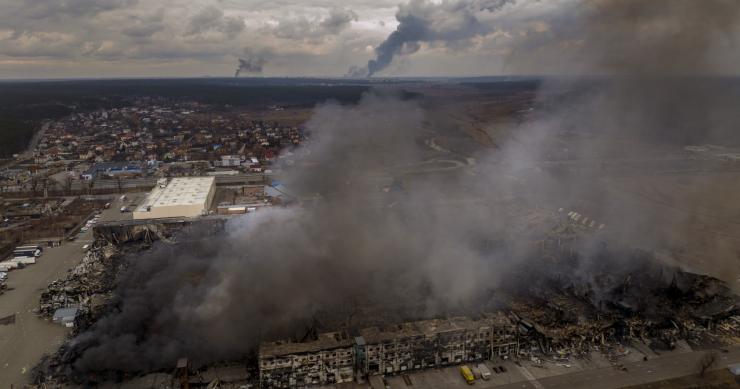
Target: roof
113	166
65	314
325	341
179	191
734	369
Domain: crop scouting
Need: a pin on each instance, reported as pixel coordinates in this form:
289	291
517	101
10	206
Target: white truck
485	372
25	260
10	264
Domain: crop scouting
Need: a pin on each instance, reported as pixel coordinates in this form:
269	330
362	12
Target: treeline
15	135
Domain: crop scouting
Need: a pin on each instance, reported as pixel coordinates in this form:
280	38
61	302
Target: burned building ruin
335	357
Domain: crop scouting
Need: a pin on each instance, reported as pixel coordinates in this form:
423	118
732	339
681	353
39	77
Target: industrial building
335	357
178	197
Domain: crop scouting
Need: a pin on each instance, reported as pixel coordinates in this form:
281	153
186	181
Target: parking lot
598	372
23	343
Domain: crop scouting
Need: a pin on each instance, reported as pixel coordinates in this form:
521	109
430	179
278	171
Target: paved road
657	369
24	343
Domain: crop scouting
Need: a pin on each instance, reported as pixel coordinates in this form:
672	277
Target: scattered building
112	169
178	197
65	316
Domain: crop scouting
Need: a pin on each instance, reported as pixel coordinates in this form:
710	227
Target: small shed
65	316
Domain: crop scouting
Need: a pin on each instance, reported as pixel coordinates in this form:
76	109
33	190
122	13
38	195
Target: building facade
389	350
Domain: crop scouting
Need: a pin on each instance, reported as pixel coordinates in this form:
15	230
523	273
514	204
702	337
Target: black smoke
421	21
250	64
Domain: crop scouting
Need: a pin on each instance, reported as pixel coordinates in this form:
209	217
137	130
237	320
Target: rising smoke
350	246
421	21
252	64
447	241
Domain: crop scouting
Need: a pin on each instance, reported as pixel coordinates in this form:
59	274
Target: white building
180	197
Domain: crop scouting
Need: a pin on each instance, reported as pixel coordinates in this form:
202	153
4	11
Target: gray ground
670	365
24	343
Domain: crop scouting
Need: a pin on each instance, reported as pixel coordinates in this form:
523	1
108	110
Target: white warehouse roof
181	197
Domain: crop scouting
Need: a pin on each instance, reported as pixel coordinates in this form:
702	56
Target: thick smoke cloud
350	247
378	234
662	59
646	80
421	21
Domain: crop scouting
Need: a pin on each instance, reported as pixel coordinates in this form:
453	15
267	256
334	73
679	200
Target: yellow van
467	374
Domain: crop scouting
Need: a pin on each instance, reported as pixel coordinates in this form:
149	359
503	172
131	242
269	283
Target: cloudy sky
119	38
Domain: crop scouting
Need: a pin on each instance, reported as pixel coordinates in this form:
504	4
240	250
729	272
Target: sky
192	38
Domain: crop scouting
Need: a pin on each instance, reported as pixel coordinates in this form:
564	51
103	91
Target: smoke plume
421	21
250	64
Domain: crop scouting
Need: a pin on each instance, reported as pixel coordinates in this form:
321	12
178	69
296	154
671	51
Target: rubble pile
616	302
87	286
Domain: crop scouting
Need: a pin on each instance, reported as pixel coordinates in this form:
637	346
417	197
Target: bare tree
90	186
707	361
68	185
119	183
34	186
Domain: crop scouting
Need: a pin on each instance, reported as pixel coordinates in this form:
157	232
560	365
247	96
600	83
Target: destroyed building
335	357
326	360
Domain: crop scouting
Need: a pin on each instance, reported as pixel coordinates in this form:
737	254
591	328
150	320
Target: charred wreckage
556	317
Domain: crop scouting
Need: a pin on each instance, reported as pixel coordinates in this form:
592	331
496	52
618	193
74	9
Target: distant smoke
422	21
250	64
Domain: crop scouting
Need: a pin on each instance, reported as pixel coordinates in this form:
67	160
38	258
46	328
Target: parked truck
485	372
25	260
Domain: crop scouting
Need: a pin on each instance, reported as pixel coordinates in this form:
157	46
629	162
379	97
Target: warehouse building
324	361
178	197
335	357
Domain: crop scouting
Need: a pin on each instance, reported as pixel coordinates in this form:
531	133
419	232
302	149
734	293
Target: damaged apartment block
335	357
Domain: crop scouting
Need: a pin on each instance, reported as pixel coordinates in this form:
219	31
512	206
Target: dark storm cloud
43	9
338	20
316	30
145	26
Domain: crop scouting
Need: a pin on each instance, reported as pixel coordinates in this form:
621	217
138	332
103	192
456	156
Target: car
3	276
84	229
